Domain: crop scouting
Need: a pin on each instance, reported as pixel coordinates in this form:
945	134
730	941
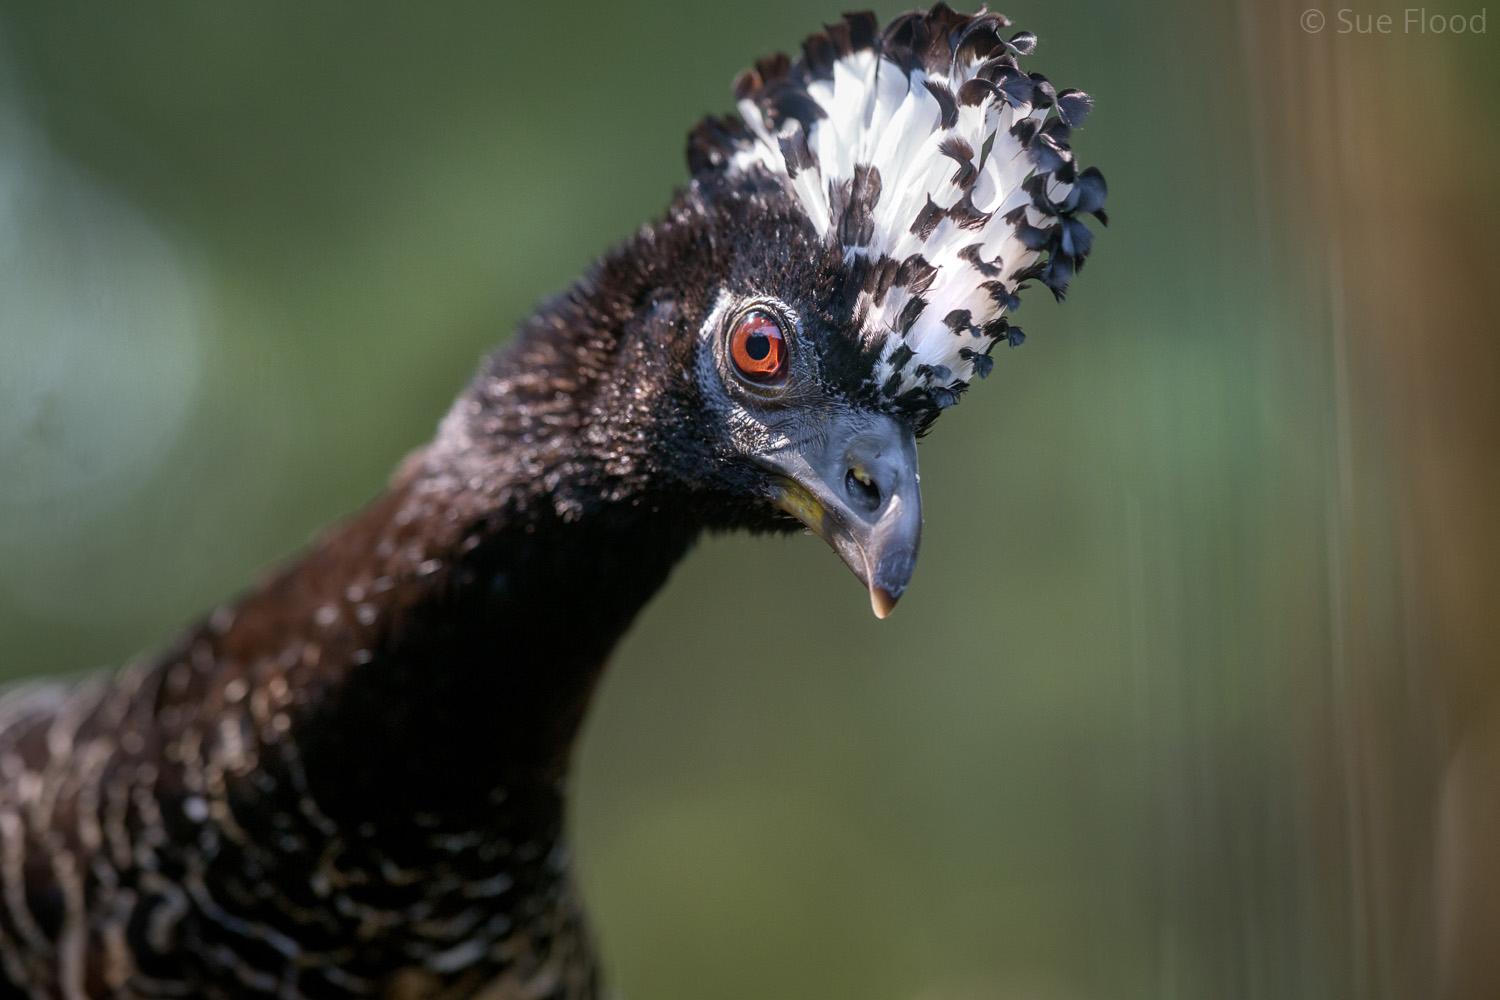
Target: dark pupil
758	346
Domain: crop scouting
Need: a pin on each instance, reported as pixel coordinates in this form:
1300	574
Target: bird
351	780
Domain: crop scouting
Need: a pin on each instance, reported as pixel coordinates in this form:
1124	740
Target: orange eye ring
758	348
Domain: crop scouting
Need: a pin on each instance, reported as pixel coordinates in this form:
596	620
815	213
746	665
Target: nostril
862	489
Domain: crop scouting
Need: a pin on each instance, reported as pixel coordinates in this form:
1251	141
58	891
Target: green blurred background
1193	694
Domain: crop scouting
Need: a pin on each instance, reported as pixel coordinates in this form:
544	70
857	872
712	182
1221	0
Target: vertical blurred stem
1381	150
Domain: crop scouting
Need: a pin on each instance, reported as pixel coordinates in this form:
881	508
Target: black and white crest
939	166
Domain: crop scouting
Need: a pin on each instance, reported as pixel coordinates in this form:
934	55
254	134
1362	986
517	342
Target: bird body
351	781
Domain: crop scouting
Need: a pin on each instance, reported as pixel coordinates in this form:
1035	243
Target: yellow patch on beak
794	498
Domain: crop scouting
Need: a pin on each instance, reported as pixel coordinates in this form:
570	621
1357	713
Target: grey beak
853	480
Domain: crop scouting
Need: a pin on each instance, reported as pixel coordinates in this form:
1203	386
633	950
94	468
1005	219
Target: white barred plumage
939	166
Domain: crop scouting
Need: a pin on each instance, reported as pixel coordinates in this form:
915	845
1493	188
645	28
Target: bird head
837	273
884	200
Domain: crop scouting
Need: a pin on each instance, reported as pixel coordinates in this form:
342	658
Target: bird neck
437	653
395	711
463	620
459	647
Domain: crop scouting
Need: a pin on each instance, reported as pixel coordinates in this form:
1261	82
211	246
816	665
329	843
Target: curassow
349	782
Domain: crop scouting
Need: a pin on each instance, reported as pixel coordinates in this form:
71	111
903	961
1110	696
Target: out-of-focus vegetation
1194	694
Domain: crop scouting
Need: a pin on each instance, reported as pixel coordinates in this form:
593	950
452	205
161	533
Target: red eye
758	349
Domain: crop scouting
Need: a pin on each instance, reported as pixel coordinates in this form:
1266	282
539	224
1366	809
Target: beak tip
882	602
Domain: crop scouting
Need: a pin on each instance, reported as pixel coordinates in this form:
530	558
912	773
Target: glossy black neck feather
482	673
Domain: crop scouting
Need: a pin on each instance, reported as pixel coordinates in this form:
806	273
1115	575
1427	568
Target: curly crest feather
939	166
